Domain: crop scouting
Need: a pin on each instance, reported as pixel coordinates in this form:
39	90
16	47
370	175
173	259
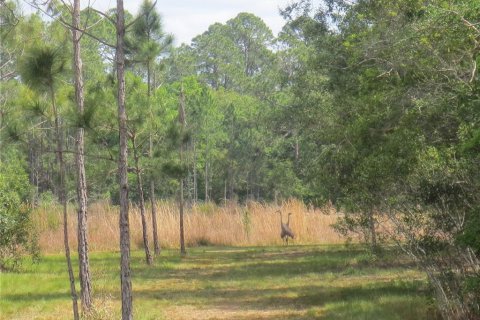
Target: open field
254	224
296	282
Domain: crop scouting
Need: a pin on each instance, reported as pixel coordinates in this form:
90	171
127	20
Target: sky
186	19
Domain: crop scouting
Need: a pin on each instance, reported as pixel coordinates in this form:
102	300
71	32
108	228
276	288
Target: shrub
16	234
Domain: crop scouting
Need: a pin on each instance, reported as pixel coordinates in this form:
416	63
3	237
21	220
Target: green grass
298	282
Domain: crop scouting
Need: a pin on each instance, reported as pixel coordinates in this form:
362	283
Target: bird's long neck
288	220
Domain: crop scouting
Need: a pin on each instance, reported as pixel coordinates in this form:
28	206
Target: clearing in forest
295	282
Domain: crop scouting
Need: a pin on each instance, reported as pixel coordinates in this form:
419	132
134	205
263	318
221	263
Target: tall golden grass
205	224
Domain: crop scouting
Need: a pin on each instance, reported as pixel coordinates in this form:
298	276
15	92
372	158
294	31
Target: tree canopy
372	106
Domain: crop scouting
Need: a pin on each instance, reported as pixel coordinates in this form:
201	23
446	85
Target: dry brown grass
230	225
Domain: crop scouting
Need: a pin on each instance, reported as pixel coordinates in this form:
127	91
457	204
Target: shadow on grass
248	264
227	280
297	282
31	297
387	301
297	297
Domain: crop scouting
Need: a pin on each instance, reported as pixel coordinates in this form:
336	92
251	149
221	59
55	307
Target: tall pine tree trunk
63	200
206	181
182	232
148	255
84	265
125	279
373	231
225	193
156	245
195	188
181	119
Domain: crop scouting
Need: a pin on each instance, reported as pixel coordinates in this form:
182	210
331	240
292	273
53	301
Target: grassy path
298	282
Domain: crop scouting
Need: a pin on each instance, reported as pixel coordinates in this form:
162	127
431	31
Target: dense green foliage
387	107
15	208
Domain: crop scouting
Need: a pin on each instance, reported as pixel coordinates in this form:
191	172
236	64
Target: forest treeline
373	106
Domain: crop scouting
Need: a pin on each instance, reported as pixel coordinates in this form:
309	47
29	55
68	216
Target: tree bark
373	231
230	182
206	181
195	189
225	193
181	119
148	255
84	265
63	201
156	245
125	278
297	149
182	234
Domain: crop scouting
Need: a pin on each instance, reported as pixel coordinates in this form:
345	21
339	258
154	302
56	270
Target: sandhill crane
285	227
